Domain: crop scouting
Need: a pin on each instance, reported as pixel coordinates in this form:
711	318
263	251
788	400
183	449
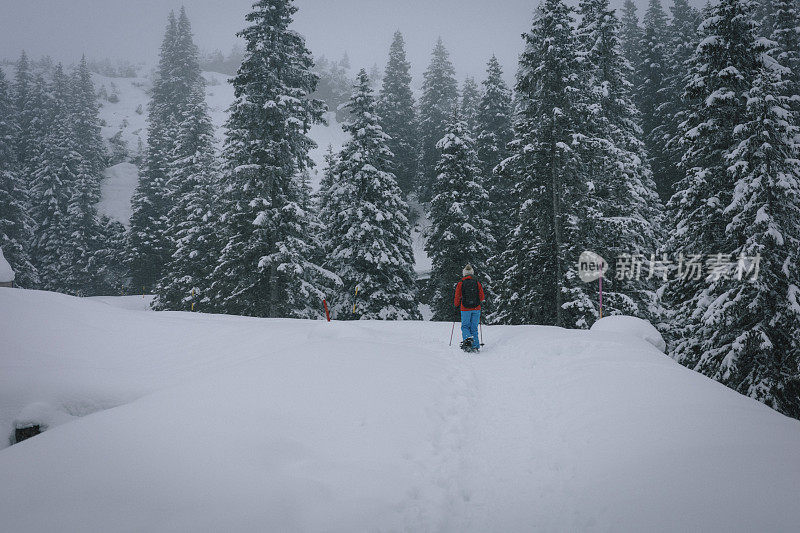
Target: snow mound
631	325
6	272
192	422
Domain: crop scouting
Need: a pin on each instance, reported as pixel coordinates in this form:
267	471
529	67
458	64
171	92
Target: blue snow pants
469	326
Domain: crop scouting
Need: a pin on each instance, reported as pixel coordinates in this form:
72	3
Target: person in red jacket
469	296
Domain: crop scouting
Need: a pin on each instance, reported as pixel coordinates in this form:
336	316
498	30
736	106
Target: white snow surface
6	272
192	422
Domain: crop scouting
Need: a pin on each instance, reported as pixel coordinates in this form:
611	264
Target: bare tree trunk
555	184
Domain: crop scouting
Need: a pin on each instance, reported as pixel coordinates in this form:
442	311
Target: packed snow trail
191	422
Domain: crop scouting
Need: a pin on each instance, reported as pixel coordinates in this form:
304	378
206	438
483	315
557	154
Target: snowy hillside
128	115
191	422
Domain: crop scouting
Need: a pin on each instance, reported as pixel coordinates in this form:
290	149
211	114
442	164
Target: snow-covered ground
191	422
116	191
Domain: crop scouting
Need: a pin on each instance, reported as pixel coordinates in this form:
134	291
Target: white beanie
468	270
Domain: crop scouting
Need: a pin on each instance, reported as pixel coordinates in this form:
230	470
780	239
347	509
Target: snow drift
191	422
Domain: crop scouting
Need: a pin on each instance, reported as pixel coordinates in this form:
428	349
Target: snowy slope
134	93
190	422
116	191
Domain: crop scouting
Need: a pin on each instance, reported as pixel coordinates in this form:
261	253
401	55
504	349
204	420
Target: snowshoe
467	346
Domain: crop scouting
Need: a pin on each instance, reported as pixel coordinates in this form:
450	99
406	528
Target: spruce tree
740	202
372	249
764	14
786	36
192	219
88	141
326	201
439	99
31	115
16	225
460	232
265	267
545	166
625	213
470	101
651	75
631	34
148	246
397	115
53	182
85	236
683	39
494	133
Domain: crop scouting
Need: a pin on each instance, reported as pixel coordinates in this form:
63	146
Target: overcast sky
472	30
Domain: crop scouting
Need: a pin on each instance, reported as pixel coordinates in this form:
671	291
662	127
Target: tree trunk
554	183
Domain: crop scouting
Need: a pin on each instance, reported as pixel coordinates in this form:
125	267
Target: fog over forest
471	29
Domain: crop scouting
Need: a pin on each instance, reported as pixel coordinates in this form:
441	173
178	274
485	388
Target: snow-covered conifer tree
630	34
461	230
148	246
545	165
397	115
650	93
470	101
16	225
625	213
439	98
371	232
672	111
739	203
192	220
265	268
88	141
494	132
53	182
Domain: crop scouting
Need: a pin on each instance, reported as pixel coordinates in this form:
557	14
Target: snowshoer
469	296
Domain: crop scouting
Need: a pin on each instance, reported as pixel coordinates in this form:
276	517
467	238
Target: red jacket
457	300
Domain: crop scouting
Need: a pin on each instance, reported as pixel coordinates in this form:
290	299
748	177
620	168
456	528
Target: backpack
469	293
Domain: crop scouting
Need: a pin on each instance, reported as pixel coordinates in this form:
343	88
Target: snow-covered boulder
631	325
6	272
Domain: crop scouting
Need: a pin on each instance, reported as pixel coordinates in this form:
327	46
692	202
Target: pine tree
786	36
85	236
683	39
651	74
631	34
265	267
625	213
397	115
470	101
764	13
53	182
545	166
741	196
16	225
148	246
192	219
327	205
31	106
88	141
372	248
494	133
461	232
439	98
